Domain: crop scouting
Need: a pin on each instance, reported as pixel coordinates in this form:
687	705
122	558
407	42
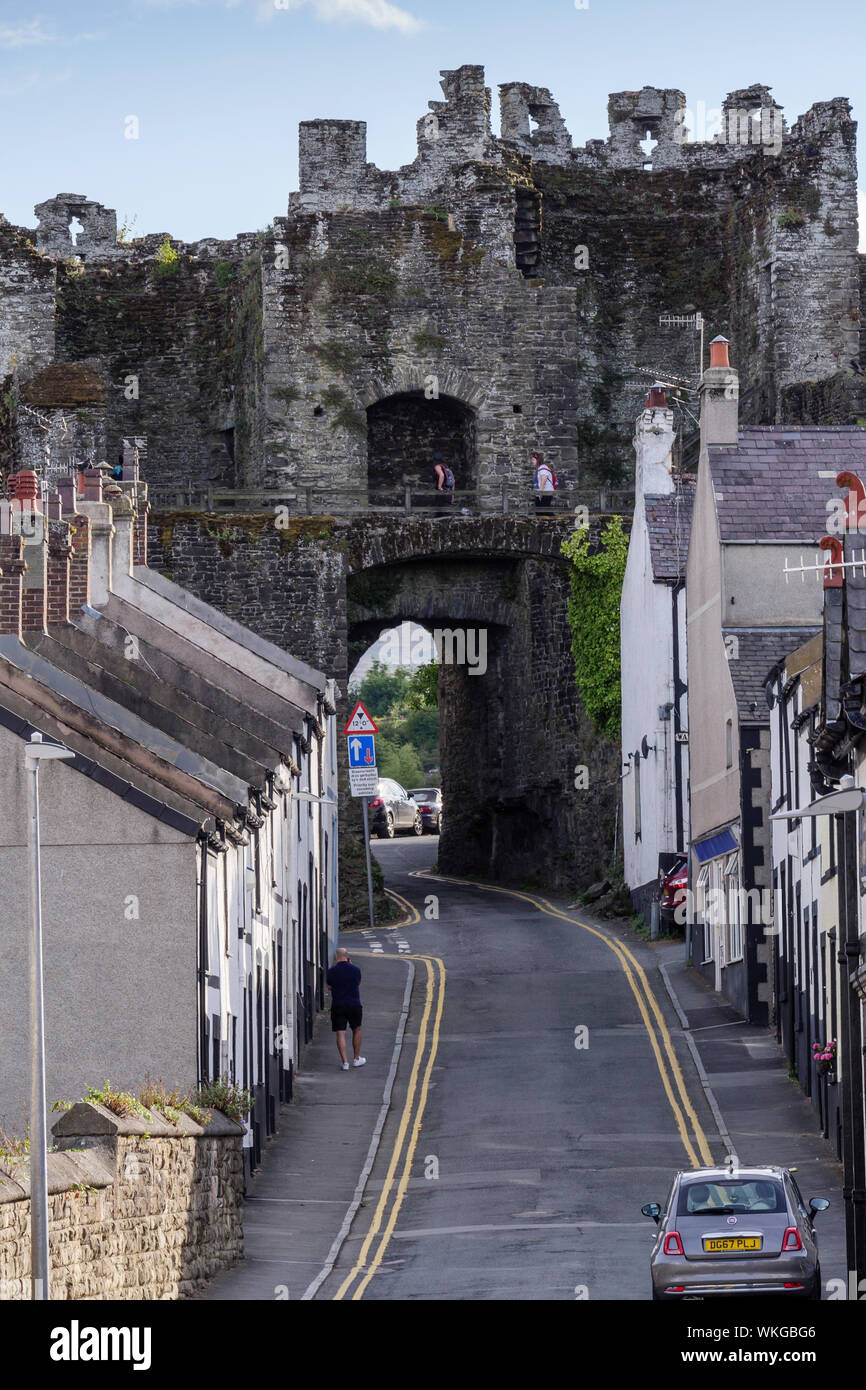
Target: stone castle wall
511	737
138	1209
255	361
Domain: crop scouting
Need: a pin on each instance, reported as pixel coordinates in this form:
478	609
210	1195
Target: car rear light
428	809
791	1240
792	1286
673	1244
675	1288
374	804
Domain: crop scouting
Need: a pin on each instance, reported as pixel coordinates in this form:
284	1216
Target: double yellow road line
396	1181
698	1152
399	1172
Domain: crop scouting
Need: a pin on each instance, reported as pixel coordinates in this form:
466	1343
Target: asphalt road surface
544	1092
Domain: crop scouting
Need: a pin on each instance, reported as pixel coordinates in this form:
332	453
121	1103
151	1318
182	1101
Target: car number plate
732	1244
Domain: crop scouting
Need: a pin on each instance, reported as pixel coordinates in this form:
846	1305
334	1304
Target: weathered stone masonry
512	736
496	295
260	360
138	1209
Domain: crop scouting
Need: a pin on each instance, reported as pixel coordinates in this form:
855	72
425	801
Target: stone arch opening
511	726
405	433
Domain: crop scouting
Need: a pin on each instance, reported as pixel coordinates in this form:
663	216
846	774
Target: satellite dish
644	747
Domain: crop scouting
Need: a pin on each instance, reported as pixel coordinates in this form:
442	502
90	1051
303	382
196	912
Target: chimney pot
656	398
719	352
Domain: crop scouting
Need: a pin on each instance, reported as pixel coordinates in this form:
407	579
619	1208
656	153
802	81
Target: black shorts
345	1016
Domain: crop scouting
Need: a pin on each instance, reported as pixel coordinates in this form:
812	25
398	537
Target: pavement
298	1199
544	1088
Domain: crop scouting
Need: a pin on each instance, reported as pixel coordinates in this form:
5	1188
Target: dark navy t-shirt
344	979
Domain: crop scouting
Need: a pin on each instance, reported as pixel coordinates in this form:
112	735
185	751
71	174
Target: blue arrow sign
362	751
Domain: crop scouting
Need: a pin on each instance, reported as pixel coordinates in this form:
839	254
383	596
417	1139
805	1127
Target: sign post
363	776
364	800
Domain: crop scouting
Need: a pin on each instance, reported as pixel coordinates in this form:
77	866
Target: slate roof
768	486
669	522
757	651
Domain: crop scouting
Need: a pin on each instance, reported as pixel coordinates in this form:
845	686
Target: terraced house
189	848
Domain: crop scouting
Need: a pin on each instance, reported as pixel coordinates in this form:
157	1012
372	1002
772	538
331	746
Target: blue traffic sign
362	751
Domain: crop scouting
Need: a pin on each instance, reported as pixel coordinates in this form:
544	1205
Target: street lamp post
39	1266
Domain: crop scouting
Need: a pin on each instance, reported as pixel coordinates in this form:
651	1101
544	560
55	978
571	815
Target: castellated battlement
652	129
497	294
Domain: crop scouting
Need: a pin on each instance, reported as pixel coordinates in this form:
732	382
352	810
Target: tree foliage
400	762
406	710
383	688
593	614
423	689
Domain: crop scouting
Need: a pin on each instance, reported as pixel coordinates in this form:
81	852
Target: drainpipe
853	1154
203	1061
679	691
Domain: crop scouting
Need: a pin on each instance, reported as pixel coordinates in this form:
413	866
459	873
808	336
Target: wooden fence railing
312	500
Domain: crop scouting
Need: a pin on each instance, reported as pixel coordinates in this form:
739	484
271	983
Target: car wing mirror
817	1204
652	1209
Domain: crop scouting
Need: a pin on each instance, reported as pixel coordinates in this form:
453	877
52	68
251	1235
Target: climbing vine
593	613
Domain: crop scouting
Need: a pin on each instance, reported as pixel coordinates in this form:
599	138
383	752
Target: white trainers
359	1062
344	1066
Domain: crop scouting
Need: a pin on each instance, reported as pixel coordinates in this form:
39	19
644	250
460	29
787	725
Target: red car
674	887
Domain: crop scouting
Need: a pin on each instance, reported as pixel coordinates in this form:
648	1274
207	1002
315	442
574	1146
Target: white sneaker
359	1062
344	1066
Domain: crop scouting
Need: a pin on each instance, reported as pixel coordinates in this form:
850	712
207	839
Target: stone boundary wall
138	1209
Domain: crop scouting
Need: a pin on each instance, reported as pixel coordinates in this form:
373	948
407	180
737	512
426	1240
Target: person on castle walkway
444	477
545	482
344	979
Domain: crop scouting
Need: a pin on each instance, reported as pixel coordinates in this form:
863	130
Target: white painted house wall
647	658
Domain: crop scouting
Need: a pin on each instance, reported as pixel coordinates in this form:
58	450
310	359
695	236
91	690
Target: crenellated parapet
554	277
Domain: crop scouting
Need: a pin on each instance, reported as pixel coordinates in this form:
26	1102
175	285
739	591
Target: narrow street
544	1091
544	1151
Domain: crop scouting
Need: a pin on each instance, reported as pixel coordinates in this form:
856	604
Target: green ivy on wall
593	613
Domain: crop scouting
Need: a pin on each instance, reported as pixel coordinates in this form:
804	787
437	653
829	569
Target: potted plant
824	1057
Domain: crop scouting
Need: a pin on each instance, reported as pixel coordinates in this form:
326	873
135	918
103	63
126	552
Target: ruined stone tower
521	277
499	294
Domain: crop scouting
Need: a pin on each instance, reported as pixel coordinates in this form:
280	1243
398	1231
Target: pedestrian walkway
313	1165
767	1117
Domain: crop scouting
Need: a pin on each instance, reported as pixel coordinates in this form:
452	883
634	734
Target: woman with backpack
444	477
545	481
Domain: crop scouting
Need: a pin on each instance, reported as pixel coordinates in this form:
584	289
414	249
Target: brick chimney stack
653	445
12	569
720	396
59	563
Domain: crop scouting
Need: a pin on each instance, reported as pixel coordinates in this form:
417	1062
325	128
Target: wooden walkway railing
303	500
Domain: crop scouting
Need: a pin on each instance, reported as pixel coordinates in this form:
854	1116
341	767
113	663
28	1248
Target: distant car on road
728	1232
392	810
429	801
673	886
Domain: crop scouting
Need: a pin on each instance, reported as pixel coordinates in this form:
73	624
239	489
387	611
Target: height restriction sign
360	722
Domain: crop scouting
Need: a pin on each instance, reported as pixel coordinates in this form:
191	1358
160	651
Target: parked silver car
732	1231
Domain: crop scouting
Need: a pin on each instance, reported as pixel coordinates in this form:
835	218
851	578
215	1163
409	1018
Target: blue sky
219	86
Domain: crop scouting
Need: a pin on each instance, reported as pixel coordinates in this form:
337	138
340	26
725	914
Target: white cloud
376	14
24	33
29	33
34	82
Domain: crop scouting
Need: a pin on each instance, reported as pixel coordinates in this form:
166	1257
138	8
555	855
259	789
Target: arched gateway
513	727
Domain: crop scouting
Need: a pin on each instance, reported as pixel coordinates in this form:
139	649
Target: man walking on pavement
346	1011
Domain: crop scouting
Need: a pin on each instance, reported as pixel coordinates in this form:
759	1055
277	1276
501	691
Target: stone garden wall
138	1209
